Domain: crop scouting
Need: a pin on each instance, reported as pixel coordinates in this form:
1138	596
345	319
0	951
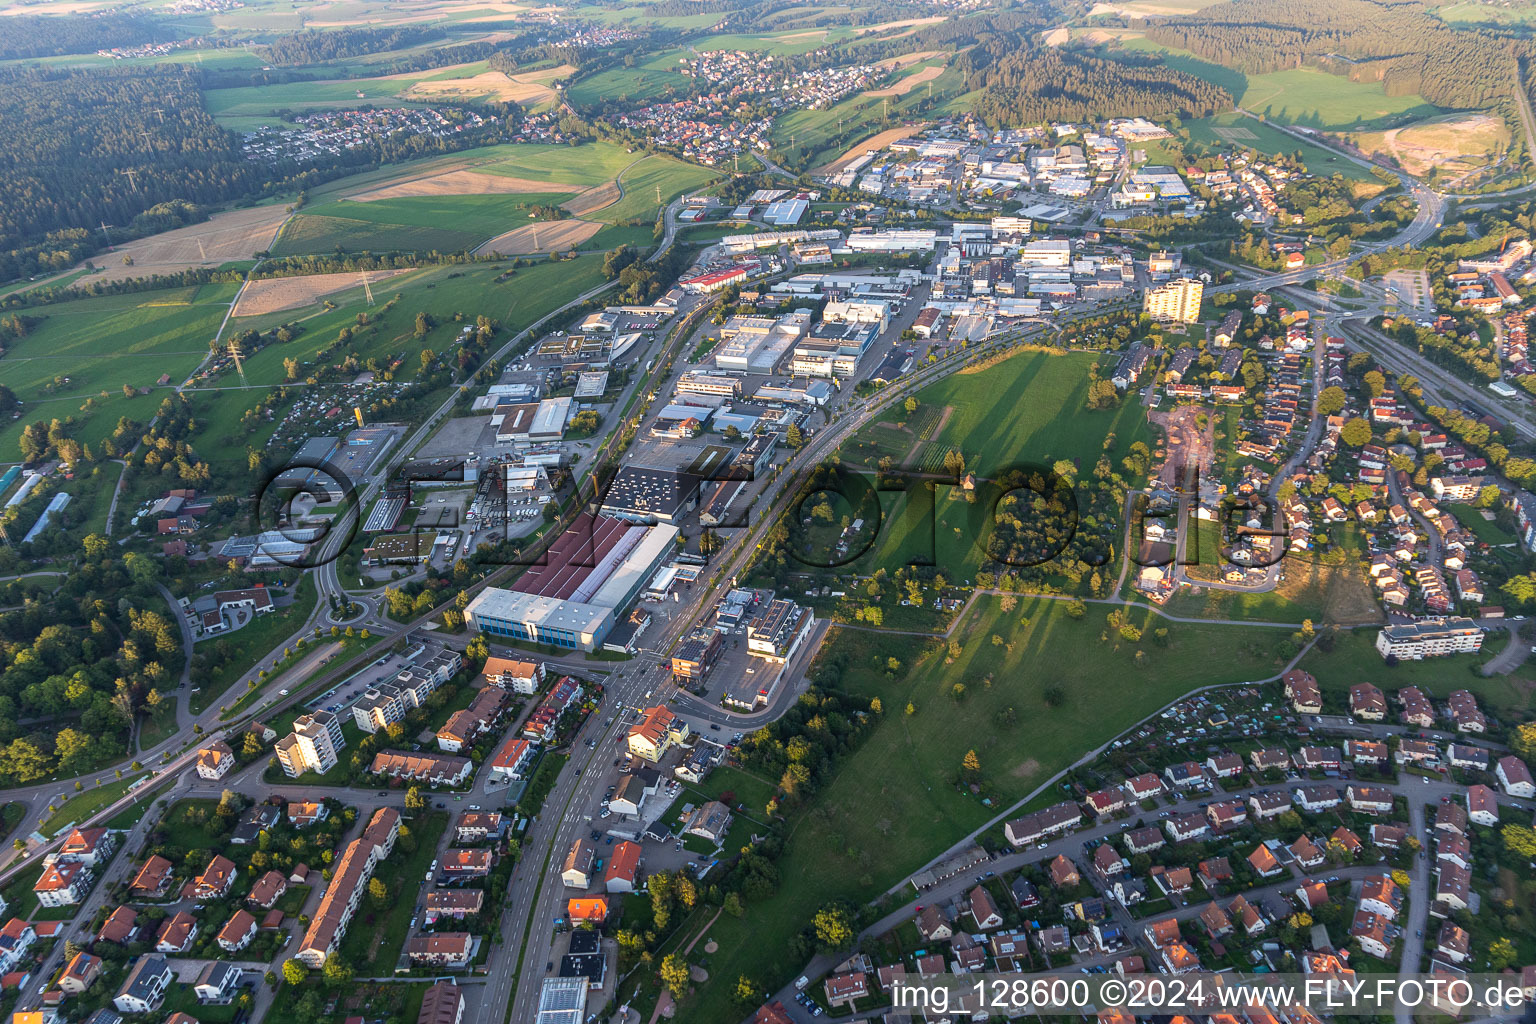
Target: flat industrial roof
589	544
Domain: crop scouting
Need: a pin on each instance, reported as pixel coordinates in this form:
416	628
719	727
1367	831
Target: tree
1375	382
378	892
911	708
294	971
910	405
414	801
1519	840
1523	743
971	764
834	928
1356	432
748	992
1332	400
674	974
1501	953
335	972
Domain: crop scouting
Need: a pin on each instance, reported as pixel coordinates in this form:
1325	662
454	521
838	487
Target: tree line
314	47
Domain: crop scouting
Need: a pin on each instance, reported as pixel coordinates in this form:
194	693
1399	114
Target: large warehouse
572	598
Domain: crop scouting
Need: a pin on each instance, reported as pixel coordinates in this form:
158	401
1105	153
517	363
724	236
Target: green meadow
100	344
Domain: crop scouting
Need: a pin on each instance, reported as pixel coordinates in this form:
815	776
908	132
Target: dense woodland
82	148
77	664
312	47
30	35
1407	50
1022	84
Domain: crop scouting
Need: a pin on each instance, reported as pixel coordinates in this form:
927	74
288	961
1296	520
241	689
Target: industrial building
572	598
650	495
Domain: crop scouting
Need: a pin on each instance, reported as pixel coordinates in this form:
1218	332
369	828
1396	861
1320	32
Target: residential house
216	879
143	990
1515	777
63	883
79	974
215	760
440	949
1482	805
176	933
237	932
983	910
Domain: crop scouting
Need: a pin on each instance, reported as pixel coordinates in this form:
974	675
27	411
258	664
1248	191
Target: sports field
100	344
1028	408
892	805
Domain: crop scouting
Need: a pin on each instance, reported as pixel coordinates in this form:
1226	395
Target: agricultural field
893	804
645	80
1455	145
817	137
1316	99
482	199
1028	408
447	223
100	344
1471	12
225	237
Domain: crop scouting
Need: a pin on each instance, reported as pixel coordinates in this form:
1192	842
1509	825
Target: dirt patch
1056	37
593	199
875	142
458	183
276	294
233	235
909	83
906	23
906	60
530	88
1456	144
1025	770
545	237
711	946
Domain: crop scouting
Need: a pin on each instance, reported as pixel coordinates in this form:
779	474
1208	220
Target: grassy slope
442	292
102	344
1030	408
441	222
892	805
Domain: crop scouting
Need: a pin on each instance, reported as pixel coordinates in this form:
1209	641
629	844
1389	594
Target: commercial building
656	733
1175	302
563	1001
1429	638
775	634
643	495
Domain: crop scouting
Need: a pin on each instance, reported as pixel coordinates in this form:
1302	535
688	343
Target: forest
314	47
83	148
1021	84
77	664
1406	49
29	36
